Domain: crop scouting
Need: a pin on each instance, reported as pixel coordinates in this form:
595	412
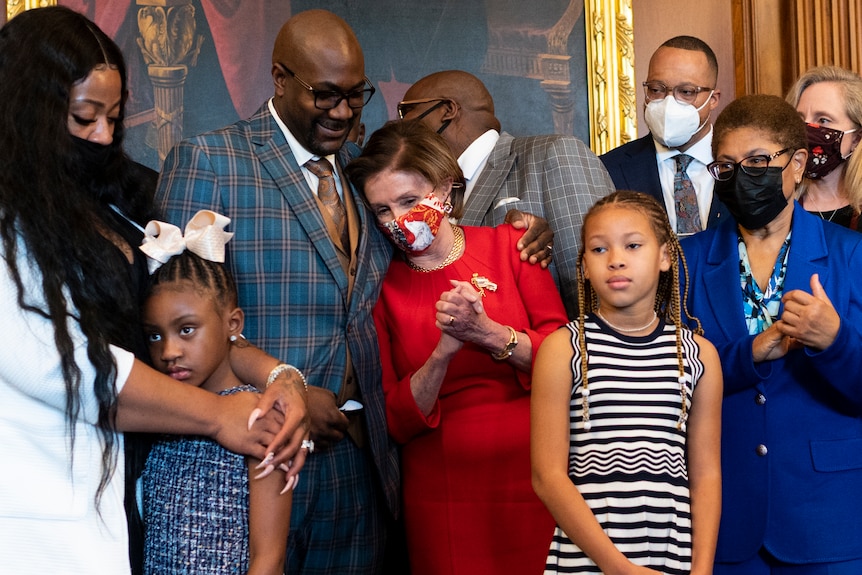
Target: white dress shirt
302	156
473	159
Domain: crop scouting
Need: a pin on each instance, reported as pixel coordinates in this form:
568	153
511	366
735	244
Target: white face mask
671	123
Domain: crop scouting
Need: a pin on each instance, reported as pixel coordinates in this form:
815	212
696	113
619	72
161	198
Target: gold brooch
481	282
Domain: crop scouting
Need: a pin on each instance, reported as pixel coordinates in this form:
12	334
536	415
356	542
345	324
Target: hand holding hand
536	245
460	313
810	319
772	344
287	395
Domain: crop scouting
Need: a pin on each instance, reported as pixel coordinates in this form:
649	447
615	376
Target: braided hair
668	305
208	277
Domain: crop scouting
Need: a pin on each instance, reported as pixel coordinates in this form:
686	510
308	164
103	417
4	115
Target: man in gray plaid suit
308	289
555	177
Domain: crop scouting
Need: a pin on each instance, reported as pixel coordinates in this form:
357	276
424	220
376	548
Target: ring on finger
451	319
549	248
307	444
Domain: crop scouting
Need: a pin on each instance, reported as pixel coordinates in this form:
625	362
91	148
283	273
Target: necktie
687	214
328	195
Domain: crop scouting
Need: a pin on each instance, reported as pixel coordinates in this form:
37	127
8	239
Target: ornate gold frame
610	73
15	7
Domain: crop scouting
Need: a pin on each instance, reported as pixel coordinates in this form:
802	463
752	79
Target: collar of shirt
302	155
697	173
473	159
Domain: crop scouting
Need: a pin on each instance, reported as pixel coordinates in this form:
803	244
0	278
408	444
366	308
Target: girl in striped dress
626	408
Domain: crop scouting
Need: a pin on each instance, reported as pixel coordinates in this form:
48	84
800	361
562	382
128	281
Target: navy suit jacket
801	496
633	166
291	284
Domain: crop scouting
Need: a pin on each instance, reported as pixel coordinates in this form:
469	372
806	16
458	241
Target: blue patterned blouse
762	306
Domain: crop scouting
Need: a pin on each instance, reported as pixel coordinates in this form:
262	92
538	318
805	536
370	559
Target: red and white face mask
414	231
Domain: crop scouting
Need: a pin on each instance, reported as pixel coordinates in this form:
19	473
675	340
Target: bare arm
153	402
549	454
704	460
268	522
287	394
425	383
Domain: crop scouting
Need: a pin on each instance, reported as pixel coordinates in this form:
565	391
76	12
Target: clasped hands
278	424
808	320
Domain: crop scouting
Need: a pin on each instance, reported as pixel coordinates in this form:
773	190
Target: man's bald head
316	48
308	35
466	111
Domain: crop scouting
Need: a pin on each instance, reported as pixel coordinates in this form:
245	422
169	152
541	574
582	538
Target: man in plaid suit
307	294
555	177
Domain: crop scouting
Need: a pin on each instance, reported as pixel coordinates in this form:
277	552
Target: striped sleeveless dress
631	466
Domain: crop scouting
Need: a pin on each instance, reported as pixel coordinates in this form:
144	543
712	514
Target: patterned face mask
414	231
824	147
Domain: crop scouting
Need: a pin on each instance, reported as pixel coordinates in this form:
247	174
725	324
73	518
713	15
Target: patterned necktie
687	214
328	195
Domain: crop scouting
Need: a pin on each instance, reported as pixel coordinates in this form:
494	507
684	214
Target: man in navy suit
681	93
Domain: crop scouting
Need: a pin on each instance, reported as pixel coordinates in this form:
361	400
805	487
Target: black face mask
754	201
91	158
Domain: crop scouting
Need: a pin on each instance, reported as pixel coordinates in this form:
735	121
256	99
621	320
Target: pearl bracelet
281	368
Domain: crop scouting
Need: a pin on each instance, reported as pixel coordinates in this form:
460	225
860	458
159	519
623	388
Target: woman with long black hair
70	285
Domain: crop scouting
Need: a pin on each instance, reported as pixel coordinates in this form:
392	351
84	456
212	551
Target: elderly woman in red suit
460	318
777	292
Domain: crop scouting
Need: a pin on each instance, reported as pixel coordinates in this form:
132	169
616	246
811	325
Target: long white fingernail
266	460
287	486
283	467
253	417
269	469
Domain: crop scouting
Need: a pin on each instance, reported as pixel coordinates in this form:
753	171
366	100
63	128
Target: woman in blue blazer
777	292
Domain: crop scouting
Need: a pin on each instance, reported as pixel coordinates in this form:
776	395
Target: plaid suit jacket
555	177
291	284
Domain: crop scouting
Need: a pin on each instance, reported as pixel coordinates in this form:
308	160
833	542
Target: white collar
700	151
300	153
474	157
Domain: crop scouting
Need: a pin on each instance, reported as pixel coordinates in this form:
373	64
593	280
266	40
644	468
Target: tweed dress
195	495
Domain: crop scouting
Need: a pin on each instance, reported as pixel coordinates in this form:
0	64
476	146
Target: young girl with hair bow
203	510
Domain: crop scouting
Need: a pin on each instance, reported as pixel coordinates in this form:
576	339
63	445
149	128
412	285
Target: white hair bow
204	237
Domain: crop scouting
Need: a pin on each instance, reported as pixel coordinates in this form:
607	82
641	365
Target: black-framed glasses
683	93
329	99
407	106
752	165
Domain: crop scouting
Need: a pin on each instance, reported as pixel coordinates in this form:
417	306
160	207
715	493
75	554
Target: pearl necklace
454	253
628	330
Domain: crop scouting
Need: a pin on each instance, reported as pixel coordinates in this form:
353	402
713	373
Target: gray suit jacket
555	177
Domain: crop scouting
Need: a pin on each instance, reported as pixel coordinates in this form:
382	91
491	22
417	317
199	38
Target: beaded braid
668	303
204	274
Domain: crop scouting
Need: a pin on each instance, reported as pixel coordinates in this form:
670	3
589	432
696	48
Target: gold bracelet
281	368
507	351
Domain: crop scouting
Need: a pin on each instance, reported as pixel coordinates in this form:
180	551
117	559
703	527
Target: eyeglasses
329	99
684	93
406	106
752	165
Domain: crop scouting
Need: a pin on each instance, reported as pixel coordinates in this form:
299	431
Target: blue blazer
291	284
633	166
791	427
